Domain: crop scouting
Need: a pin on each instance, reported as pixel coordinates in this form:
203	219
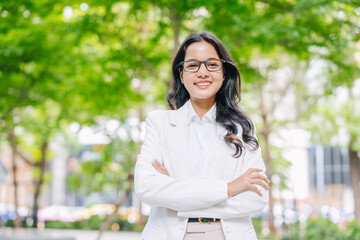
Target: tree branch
146	62
120	201
25	159
23	94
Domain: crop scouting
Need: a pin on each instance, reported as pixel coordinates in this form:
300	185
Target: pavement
62	234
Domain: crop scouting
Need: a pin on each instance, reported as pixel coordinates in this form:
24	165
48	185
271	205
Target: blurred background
78	78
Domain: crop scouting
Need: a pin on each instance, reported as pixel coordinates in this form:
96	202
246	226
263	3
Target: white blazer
177	197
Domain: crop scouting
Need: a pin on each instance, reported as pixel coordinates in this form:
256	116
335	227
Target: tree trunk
130	180
141	222
17	223
265	134
110	217
355	179
39	182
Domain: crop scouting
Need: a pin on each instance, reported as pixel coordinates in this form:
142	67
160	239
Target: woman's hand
247	181
159	167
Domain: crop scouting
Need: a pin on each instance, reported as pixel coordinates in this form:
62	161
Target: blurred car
61	213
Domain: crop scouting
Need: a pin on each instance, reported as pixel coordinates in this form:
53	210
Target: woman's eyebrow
193	59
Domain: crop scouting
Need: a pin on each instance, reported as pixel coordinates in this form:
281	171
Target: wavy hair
228	113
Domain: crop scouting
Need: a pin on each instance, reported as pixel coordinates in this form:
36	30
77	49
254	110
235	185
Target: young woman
200	167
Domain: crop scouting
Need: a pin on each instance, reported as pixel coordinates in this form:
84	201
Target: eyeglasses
212	65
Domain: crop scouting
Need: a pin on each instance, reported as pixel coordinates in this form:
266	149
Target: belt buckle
200	221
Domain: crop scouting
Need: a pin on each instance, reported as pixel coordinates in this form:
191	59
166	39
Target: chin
203	97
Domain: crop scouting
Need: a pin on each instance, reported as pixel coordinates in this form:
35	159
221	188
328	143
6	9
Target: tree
95	61
50	60
25	66
339	118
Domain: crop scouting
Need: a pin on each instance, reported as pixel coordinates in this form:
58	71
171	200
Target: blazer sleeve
244	204
157	189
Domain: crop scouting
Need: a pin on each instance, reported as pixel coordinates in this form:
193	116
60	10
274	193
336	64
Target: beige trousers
199	231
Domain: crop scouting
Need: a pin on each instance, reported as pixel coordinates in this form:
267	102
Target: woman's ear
181	75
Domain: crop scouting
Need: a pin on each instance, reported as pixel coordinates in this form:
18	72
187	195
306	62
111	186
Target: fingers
159	167
253	170
261	177
251	180
157	163
255	189
251	174
260	183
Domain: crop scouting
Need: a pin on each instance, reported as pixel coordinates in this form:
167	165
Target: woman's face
202	85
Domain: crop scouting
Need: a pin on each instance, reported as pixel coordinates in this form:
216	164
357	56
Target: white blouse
203	142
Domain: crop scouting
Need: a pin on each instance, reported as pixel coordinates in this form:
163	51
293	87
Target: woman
200	167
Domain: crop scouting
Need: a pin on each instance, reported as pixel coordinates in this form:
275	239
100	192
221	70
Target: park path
62	234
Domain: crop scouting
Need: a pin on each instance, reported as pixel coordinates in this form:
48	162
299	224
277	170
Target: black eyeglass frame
201	62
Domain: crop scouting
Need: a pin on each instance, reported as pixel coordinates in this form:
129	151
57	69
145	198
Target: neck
202	106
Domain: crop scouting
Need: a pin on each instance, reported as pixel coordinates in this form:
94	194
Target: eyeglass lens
211	65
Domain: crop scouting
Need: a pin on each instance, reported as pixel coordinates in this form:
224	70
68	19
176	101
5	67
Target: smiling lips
203	84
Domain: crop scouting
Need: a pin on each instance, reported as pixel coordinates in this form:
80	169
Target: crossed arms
193	197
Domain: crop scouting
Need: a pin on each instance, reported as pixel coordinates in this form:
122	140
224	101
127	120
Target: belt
204	220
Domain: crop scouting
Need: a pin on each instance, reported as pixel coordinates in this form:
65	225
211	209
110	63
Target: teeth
203	83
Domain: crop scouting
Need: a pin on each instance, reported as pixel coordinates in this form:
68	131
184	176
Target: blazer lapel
177	141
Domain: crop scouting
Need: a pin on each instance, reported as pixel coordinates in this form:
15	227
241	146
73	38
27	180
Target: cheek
221	82
187	85
219	78
186	79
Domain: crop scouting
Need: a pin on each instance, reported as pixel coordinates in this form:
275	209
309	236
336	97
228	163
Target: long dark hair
228	113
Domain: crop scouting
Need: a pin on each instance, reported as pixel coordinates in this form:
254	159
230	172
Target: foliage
313	229
257	223
63	225
93	223
293	231
321	228
108	172
352	230
61	63
317	228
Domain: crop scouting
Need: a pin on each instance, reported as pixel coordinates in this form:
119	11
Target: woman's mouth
203	84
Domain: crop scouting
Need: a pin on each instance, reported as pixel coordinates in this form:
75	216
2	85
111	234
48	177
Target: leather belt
204	220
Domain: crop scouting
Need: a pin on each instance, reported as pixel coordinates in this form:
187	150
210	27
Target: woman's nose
202	70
